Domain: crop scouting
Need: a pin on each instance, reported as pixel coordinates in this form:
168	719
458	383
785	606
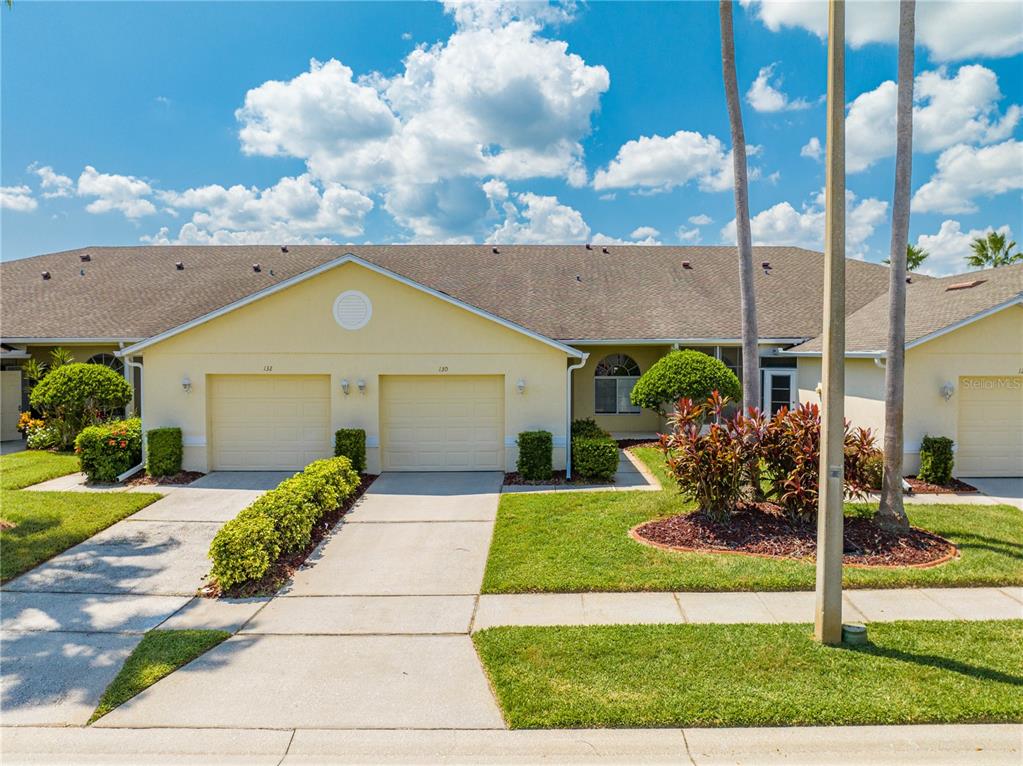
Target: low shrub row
594	453
280	522
107	450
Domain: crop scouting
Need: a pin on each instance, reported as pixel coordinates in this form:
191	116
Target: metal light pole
828	612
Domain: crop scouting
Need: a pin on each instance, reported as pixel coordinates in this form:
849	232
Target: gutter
135	469
568	413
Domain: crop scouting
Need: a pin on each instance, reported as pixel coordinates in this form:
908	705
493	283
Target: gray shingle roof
564	292
930	306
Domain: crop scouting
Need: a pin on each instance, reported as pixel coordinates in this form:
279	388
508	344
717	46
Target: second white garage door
442	423
990	426
269	422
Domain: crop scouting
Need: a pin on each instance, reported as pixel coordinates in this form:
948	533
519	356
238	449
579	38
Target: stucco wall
583	394
989	346
410	333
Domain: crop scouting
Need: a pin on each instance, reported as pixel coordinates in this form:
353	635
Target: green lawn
47	523
159	654
573	541
754	675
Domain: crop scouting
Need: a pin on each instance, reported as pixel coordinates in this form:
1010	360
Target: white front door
779	390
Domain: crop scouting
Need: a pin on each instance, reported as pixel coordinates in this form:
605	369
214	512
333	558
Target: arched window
108	360
613	379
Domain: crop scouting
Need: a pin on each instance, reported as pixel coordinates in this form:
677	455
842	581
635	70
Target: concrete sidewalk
69	624
631	476
677	608
984	744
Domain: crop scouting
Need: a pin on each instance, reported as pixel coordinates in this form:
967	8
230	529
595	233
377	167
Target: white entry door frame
779	390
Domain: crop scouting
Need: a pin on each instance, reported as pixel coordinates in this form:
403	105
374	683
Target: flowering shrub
108	450
38	435
790	449
27	423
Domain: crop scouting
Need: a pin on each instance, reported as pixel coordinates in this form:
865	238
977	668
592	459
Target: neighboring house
442	353
964	368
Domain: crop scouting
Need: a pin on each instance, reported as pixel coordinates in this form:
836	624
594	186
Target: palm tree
992	251
747	298
890	513
915	257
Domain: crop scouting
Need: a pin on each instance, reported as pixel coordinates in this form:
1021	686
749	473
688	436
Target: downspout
135	469
568	414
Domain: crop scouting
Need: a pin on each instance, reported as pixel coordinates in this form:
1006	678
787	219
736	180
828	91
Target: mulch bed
181	477
762	530
558	478
923	487
626	443
282	571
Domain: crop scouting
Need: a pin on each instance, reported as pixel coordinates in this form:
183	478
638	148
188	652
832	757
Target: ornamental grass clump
281	522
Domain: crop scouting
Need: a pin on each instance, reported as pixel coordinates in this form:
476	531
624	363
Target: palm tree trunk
747	297
890	512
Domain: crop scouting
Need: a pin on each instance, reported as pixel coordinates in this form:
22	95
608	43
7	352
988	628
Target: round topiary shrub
74	396
690	374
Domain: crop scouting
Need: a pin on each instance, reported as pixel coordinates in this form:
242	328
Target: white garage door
442	423
990	426
269	422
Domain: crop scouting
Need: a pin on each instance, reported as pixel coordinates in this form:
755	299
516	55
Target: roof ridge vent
589	246
257	268
494	250
180	266
85	257
46	275
606	250
965	285
765	265
687	265
284	248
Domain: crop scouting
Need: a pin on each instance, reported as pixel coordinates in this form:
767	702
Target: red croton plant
717	460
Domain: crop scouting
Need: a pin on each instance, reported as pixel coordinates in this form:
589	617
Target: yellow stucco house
444	353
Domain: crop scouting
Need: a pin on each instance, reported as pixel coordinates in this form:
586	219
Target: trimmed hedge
77	395
587	428
595	459
536	455
690	374
163	451
873	470
108	450
351	443
280	522
936	460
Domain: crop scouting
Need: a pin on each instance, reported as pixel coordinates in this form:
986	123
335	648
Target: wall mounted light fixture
186	384
361	385
947	390
520	384
345	386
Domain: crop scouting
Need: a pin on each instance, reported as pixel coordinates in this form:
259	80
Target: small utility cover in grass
159	654
754	675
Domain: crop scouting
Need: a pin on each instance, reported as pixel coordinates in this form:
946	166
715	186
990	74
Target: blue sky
127	123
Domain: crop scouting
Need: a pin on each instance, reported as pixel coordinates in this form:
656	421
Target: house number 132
268	368
442	369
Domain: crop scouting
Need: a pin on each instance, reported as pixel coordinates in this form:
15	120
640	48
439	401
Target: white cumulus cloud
948	110
812	149
783	224
126	194
17	198
52	183
659	163
538	219
765	94
700	220
964	173
293	210
949	30
948	249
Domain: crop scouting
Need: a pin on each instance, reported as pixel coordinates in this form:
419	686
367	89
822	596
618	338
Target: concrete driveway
68	624
1008	491
373	632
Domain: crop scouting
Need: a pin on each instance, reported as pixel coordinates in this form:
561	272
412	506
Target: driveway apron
372	633
69	623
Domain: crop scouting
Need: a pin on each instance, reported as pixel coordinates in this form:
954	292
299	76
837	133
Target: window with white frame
613	379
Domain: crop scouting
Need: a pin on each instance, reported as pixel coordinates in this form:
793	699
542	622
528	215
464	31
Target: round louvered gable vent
352	310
